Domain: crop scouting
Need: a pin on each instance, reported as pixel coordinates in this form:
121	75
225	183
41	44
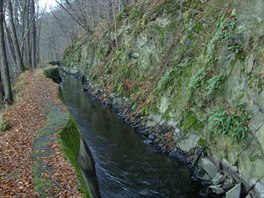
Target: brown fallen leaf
27	116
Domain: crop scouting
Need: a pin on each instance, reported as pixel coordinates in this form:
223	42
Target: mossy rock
54	74
5	126
190	121
201	142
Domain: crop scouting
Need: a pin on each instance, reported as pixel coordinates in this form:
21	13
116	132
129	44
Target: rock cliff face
195	66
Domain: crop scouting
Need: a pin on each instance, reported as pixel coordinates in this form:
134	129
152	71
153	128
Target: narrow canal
125	166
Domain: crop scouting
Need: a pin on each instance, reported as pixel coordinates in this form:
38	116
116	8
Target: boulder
208	167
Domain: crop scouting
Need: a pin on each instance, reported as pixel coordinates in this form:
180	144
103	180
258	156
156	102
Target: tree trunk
20	64
33	34
26	35
10	42
4	66
38	27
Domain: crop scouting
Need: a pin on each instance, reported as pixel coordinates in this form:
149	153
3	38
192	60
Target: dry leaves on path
27	116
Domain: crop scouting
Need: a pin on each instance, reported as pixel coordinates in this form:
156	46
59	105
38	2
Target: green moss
44	137
5	126
62	123
201	142
70	140
60	95
190	121
53	73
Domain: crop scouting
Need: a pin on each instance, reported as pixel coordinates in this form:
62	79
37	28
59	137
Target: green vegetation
5	126
165	80
41	143
62	123
201	142
103	51
232	122
70	140
183	50
198	79
213	84
190	121
257	81
188	59
53	73
180	60
60	95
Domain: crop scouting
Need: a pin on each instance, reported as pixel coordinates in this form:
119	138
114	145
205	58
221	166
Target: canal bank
70	137
40	141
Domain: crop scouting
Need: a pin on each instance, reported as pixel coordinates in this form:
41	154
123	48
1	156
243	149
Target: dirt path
27	116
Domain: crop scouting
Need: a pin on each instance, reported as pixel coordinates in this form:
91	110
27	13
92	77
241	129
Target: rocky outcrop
193	71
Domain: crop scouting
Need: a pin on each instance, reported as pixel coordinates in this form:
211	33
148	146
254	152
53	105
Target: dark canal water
125	166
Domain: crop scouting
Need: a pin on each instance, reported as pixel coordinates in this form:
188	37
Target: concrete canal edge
61	129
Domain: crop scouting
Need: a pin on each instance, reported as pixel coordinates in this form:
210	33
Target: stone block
234	192
218	179
217	189
208	167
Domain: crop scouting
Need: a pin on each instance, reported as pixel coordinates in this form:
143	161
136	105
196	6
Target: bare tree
20	64
26	36
33	34
87	12
70	17
10	42
4	65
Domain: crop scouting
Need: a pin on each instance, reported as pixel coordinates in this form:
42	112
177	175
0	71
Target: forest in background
31	34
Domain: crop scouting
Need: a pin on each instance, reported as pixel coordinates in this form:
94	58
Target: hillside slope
196	67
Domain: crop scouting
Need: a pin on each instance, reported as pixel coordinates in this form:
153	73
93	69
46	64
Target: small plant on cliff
232	122
197	80
213	84
165	81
